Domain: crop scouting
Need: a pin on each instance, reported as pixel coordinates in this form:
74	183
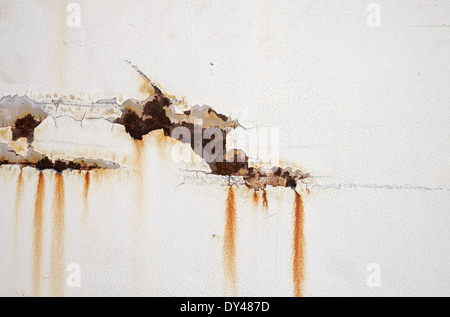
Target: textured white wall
354	105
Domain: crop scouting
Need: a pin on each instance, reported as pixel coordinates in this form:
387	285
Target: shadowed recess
298	246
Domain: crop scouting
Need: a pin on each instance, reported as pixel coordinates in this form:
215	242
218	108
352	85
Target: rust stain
229	245
139	148
17	207
4	133
87	184
255	198
57	255
298	246
37	239
146	88
265	201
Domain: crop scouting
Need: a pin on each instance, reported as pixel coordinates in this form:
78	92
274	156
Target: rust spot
57	255
298	246
87	184
37	239
265	201
229	245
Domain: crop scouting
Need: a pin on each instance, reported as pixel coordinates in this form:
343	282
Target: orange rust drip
139	147
265	201
255	198
17	207
298	246
229	245
87	184
57	256
37	239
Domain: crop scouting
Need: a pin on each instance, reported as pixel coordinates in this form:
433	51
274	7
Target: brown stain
146	88
57	255
139	148
37	235
298	246
87	184
255	198
229	245
138	216
19	189
265	201
5	133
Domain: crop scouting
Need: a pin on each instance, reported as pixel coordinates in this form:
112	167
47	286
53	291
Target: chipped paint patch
19	191
20	146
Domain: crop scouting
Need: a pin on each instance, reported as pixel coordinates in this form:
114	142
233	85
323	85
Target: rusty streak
265	201
17	207
255	198
87	184
229	245
57	256
37	240
298	246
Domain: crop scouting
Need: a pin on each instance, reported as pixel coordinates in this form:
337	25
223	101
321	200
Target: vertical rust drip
57	256
265	201
139	146
298	246
139	213
229	245
255	198
37	239
87	184
17	208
